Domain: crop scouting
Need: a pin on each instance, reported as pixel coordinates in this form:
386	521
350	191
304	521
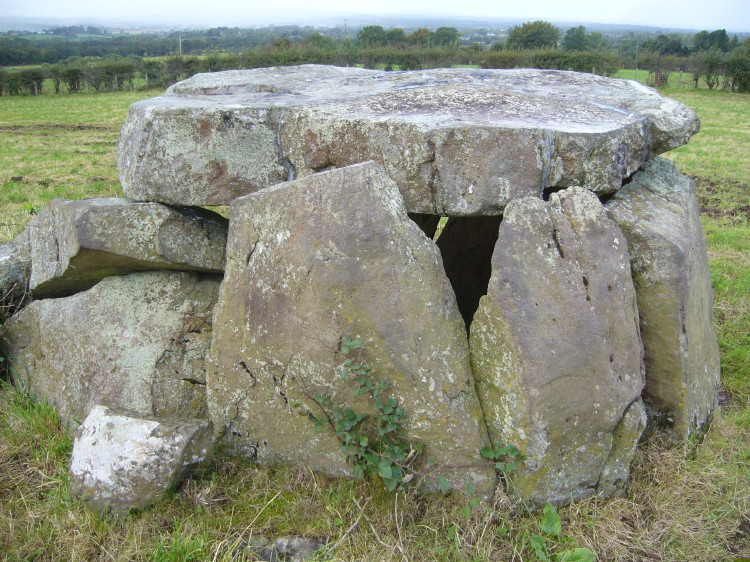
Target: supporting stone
135	342
556	351
15	270
658	212
75	244
311	262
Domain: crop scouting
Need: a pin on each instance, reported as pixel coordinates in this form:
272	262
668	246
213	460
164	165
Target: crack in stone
558	245
645	121
291	171
249	372
547	162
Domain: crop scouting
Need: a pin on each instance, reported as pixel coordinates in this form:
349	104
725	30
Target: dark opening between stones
428	223
550	190
467	244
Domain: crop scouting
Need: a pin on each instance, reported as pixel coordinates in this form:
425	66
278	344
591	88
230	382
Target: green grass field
676	508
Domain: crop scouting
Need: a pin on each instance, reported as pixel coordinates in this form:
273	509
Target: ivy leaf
443	483
539	544
384	469
488	453
576	555
551	523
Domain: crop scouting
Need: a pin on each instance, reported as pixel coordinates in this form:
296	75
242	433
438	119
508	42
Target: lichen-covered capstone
310	262
122	460
556	351
658	212
457	142
74	244
135	342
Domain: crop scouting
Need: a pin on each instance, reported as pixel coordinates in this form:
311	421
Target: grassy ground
57	146
676	507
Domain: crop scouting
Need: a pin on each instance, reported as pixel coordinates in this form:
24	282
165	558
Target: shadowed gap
467	244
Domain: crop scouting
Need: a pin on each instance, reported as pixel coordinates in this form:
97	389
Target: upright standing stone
310	262
555	348
135	342
658	212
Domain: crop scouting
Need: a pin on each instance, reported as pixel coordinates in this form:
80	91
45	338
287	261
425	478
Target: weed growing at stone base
675	508
373	443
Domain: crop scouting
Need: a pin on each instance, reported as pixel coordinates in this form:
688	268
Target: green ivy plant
373	445
372	442
547	545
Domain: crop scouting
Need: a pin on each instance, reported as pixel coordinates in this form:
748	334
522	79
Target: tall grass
675	508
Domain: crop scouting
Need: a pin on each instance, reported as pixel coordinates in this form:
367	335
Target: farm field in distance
677	507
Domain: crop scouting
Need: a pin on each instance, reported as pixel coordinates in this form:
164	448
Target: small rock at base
124	461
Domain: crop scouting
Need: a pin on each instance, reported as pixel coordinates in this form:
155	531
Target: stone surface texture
136	342
310	262
556	351
658	212
75	244
457	142
122	460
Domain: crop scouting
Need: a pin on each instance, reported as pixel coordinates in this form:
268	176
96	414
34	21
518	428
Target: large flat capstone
658	212
457	142
556	351
309	263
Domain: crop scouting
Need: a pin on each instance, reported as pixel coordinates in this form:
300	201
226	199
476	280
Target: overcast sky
733	15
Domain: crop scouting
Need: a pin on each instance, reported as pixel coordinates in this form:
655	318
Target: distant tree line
721	61
74	31
51	49
713	56
118	73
